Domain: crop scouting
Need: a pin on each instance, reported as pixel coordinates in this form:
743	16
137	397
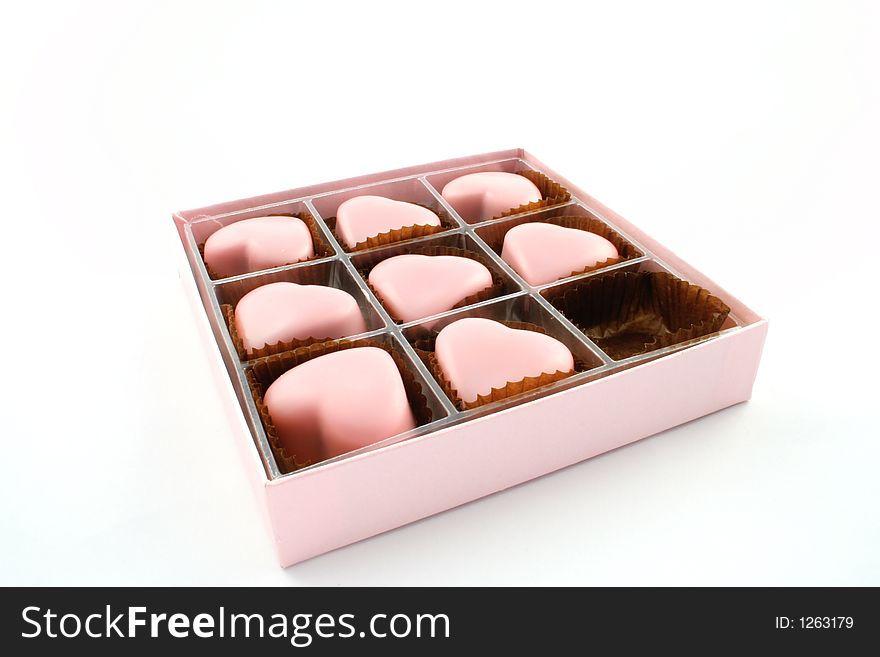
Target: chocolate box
460	455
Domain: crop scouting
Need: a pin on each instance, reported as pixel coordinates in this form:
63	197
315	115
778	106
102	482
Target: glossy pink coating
417	285
487	194
542	253
339	402
367	216
477	355
258	243
280	312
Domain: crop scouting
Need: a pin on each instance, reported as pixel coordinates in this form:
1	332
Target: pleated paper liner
238	289
320	246
424	347
490	292
494	237
552	193
631	313
398	234
228	313
262	373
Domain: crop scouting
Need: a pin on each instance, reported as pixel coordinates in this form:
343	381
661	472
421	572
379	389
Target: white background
745	137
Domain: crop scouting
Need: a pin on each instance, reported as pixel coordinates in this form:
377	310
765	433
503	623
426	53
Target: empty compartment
628	313
330	274
473	211
410	190
412	298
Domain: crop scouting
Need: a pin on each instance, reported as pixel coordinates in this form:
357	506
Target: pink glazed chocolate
542	253
281	312
259	243
416	285
362	217
488	194
477	355
337	403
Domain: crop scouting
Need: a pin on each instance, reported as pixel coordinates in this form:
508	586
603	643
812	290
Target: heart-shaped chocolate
281	312
477	355
542	253
258	243
337	403
362	217
488	194
415	285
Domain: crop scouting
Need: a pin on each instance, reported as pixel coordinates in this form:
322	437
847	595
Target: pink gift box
459	456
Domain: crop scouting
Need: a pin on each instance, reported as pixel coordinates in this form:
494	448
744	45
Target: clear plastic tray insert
516	301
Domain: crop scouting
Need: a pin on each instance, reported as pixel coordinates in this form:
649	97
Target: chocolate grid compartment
427	407
505	284
203	228
410	190
494	232
523	301
331	273
555	295
522	308
514	165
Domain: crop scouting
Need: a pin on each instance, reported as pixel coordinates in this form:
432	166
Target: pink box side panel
330	507
245	441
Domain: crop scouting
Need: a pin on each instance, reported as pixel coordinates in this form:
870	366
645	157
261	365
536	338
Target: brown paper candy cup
424	347
228	313
494	237
319	244
398	234
493	290
262	373
631	313
305	276
552	193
